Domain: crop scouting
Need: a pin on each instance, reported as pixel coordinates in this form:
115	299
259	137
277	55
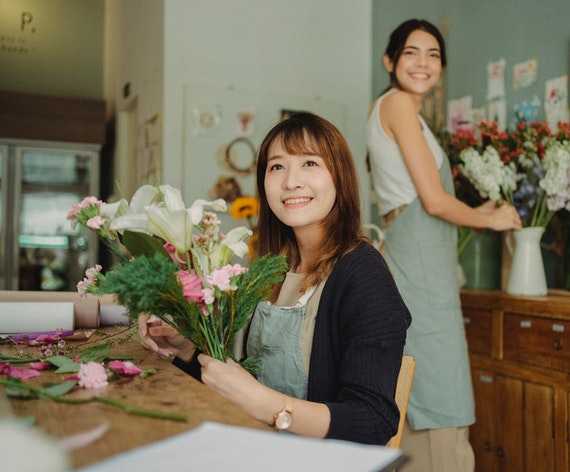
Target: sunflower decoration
244	207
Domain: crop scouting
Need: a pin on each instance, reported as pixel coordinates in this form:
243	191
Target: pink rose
126	368
191	285
92	375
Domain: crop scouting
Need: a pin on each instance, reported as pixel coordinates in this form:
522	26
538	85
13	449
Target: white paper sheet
33	317
216	447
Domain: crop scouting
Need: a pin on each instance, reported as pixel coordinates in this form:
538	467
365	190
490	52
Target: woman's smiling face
300	189
418	68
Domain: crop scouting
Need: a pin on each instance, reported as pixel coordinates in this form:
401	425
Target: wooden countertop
169	389
556	304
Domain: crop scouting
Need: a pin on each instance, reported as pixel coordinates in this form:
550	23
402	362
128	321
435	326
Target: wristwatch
283	419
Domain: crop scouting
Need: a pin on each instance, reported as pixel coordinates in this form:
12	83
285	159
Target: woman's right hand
503	218
159	337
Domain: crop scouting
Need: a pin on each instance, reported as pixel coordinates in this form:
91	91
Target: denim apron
274	339
421	251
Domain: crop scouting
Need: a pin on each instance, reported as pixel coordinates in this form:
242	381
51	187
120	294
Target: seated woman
330	343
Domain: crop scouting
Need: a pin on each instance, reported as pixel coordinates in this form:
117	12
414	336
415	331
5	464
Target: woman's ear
388	63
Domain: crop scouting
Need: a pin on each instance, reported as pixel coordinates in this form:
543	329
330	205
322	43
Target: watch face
283	420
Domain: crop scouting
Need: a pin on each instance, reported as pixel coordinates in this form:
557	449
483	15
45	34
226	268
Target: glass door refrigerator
39	182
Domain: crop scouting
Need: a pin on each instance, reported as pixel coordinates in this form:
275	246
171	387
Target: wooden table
169	389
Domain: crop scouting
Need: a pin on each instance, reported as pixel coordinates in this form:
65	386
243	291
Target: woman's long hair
306	133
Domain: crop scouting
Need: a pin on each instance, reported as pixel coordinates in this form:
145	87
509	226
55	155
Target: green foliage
64	364
256	285
146	284
140	244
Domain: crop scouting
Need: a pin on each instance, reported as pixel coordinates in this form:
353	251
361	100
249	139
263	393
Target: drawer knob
557	345
466	320
500	452
558	328
526	324
487	446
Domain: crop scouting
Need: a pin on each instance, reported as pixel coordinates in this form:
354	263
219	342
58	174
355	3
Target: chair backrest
403	389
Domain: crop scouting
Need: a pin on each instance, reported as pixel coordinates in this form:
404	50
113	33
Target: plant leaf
140	244
64	364
18	389
95	354
58	390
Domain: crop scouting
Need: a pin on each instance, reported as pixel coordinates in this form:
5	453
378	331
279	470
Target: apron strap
306	296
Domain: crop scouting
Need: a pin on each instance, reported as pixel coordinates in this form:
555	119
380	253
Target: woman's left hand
230	380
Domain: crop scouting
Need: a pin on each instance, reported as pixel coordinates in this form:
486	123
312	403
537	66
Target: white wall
133	53
303	48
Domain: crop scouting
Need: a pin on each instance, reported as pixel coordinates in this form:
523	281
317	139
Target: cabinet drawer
542	342
479	330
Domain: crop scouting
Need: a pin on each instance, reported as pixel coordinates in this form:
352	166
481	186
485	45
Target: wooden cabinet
520	359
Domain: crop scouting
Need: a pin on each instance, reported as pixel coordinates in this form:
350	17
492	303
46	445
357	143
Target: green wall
483	31
52	47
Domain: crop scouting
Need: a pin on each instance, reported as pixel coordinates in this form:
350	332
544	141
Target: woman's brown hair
302	134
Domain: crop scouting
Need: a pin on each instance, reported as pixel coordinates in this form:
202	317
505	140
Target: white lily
172	198
110	211
174	227
232	243
135	218
196	211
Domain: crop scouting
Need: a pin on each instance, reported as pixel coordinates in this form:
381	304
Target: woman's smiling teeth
296	201
419	76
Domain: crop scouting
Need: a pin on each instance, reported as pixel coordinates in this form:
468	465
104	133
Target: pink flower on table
92	375
191	285
21	373
126	368
96	222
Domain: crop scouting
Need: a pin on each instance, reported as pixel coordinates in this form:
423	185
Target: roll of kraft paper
85	309
35	317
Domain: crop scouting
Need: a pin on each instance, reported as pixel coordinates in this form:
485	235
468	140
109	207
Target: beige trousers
437	450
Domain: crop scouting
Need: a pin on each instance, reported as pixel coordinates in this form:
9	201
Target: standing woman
414	186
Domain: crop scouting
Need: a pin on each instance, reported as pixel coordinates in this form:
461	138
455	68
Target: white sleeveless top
391	180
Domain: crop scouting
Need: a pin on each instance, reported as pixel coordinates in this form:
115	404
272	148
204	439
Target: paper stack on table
214	446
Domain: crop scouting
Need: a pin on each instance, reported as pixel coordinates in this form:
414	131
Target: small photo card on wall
556	101
524	74
459	114
496	79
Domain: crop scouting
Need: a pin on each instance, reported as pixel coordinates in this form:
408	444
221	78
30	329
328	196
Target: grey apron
421	253
274	339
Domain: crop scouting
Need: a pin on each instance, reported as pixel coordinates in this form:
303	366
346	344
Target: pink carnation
96	222
208	296
73	212
126	368
20	373
90	201
221	278
191	285
92	375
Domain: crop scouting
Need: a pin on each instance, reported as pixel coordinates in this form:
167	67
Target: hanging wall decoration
240	156
556	101
496	79
524	73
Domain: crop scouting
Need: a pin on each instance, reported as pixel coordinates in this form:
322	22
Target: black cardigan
359	337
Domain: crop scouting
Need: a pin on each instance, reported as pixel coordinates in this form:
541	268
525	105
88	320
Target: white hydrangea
556	182
490	176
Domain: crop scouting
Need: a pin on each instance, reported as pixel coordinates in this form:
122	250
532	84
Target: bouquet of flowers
528	167
176	263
